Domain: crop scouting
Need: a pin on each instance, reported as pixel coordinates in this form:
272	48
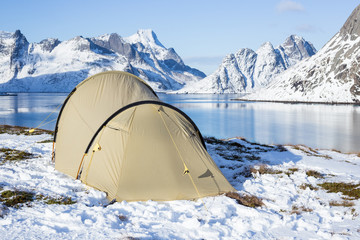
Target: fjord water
315	125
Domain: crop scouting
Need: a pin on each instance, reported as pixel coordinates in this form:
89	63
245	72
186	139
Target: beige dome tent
114	134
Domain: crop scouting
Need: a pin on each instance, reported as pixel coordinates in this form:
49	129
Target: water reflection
318	126
29	109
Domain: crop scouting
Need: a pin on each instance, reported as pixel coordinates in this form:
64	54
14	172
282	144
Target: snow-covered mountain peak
52	65
245	51
230	58
78	43
5	35
18	34
265	48
147	37
247	70
304	47
331	75
49	44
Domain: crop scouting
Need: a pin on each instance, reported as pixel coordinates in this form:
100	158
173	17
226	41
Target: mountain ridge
331	75
53	65
248	70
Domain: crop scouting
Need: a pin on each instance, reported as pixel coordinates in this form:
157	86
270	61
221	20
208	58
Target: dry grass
280	148
22	130
129	238
335	150
354	213
306	185
7	154
313	173
60	200
122	218
341	204
46	141
264	169
298	210
16	198
348	189
309	151
246	200
292	170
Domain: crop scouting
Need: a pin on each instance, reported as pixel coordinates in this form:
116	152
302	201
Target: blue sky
201	31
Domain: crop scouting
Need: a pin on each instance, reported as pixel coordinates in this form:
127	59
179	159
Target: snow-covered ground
295	206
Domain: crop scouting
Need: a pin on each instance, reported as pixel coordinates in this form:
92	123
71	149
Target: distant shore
296	102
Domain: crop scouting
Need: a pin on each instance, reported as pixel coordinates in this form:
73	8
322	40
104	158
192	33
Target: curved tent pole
60	112
141	103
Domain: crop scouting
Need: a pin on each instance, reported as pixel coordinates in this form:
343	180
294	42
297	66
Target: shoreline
296	102
20	130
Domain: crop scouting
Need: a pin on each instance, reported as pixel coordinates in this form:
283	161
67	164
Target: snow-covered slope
248	70
288	179
51	65
331	75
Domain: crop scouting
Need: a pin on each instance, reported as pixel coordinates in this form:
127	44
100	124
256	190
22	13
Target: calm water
318	126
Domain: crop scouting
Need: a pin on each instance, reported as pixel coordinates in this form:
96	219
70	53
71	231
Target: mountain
52	65
247	70
331	75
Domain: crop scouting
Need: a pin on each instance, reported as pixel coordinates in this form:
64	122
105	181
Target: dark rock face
49	44
19	52
118	45
294	49
352	24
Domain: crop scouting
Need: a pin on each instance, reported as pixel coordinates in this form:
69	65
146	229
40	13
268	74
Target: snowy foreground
295	206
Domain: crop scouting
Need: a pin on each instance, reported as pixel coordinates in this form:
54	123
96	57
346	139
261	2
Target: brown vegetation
341	204
60	200
246	200
15	198
22	130
298	210
348	189
7	154
306	185
264	169
313	173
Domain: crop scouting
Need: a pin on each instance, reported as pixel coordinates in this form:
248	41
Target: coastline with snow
291	181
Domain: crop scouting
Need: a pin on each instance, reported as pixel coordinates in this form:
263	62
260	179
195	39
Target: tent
114	134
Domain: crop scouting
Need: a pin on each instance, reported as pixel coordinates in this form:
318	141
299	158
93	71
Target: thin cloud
307	28
289	6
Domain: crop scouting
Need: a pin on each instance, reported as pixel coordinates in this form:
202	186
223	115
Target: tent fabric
90	104
137	147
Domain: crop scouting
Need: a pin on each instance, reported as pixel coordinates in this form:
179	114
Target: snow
51	66
331	75
247	70
145	36
209	218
